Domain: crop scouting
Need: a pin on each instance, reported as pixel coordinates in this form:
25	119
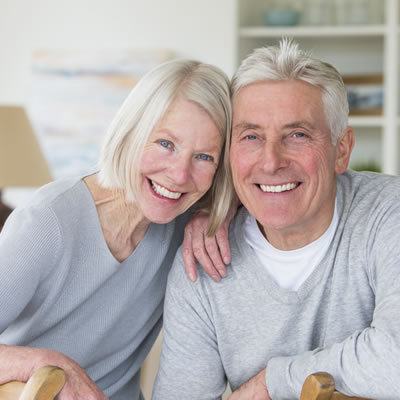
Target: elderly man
314	279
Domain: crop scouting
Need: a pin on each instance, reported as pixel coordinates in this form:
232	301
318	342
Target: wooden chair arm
44	384
318	386
11	390
321	386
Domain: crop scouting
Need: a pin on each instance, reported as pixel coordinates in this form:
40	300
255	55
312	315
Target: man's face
283	162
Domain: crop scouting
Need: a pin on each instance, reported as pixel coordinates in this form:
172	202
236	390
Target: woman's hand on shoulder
212	253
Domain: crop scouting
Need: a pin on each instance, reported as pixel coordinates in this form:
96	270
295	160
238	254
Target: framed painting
74	96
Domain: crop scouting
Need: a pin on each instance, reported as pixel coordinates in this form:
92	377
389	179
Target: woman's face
179	161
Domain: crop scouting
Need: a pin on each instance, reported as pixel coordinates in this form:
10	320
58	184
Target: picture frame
365	94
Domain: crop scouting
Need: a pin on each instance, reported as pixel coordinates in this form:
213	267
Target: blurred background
71	64
66	66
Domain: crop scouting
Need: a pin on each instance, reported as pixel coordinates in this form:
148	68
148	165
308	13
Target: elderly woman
84	264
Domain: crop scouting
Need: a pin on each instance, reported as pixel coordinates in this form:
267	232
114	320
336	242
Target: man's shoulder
368	207
368	193
177	273
371	182
178	279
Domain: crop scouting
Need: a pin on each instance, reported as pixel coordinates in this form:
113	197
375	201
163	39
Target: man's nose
274	157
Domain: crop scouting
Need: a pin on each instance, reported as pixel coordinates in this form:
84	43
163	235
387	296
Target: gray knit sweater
61	288
344	319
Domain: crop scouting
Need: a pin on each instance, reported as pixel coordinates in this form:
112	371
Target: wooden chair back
44	384
321	386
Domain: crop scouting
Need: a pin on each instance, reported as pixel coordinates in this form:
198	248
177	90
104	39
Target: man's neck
296	237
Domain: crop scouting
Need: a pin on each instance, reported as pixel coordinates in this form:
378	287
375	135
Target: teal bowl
281	17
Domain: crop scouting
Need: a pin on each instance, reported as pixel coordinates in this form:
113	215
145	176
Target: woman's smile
164	192
179	161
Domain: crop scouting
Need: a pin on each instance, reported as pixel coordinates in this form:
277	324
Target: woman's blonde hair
203	84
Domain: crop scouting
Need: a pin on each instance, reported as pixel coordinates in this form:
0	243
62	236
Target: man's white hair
288	62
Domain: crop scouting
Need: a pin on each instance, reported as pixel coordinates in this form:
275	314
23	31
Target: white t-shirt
289	269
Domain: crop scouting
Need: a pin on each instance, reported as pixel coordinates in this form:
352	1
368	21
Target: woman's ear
344	147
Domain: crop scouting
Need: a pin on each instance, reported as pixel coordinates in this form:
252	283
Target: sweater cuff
278	380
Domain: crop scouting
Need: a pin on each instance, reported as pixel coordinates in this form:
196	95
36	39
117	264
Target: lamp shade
21	160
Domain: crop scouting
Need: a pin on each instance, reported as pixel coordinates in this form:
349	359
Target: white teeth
162	191
278	188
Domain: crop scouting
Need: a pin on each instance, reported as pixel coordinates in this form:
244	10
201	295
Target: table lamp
22	163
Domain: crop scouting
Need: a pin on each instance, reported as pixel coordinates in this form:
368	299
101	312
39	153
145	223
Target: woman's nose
179	170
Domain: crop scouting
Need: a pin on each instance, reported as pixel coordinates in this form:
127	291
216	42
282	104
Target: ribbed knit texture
344	319
62	289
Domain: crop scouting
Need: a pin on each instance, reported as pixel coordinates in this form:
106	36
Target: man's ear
344	147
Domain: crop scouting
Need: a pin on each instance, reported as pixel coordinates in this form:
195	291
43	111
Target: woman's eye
165	143
205	157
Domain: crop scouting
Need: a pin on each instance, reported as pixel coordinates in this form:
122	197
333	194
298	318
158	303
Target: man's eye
299	134
205	157
250	137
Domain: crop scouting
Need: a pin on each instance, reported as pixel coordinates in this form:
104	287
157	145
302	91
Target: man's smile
278	188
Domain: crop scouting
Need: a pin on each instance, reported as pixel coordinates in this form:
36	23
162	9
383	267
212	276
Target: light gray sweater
344	319
61	288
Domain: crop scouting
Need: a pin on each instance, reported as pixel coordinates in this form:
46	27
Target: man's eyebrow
246	125
300	124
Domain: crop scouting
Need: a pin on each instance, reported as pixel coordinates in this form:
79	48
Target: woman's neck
122	223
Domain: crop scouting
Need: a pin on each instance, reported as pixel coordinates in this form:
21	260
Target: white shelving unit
313	31
354	49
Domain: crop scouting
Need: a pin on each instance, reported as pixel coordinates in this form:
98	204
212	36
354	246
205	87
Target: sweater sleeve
365	363
190	365
28	249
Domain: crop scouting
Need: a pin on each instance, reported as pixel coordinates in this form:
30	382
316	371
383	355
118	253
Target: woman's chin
162	220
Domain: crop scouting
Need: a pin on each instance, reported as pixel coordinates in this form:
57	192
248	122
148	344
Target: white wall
197	29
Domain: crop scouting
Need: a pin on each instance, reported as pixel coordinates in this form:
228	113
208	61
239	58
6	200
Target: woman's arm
18	363
29	250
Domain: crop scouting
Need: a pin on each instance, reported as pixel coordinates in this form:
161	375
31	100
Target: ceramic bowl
281	17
